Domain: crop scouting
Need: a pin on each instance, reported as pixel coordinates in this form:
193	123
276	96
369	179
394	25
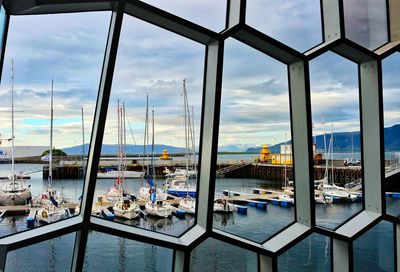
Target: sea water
374	250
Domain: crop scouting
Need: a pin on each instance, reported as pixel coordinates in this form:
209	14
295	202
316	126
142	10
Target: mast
285	157
333	180
326	155
51	136
152	146
186	126
119	144
12	125
83	144
124	142
146	134
194	143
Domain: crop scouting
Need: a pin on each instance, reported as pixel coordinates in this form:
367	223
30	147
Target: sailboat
155	207
51	210
13	190
124	207
144	192
177	184
336	193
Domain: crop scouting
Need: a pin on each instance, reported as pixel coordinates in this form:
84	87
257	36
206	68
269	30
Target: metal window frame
370	83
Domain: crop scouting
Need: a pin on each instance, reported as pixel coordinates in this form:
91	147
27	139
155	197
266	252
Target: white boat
188	204
321	199
179	186
158	208
223	205
119	189
51	210
144	193
114	174
179	172
286	197
13	190
50	213
126	208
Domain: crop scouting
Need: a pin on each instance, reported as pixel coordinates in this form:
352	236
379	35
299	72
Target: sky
69	49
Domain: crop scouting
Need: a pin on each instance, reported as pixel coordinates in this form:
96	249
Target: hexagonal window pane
51	255
148	167
207	13
374	250
294	23
391	95
67	49
336	138
366	22
311	254
254	187
106	252
214	255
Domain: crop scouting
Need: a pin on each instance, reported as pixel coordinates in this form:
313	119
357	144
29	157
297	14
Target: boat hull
180	193
12	199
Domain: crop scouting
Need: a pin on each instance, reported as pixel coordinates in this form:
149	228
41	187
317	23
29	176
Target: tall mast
124	141
333	180
119	142
285	159
51	136
194	143
83	143
146	135
326	155
12	124
186	126
152	146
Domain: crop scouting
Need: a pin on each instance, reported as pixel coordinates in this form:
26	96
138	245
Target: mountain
342	141
236	148
108	149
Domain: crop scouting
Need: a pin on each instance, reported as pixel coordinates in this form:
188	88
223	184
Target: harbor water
110	253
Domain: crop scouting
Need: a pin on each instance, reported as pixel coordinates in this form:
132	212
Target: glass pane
374	250
391	105
336	137
106	252
148	170
67	49
366	22
254	160
295	23
207	13
2	22
51	255
311	254
214	255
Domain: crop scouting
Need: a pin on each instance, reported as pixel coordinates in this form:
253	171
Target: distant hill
342	141
108	149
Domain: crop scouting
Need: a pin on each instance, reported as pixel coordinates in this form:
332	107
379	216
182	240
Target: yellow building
284	157
165	155
265	155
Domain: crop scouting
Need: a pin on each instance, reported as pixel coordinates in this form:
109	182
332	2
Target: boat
222	205
51	211
155	207
177	183
337	193
188	205
112	174
159	208
13	190
119	189
126	208
179	186
144	193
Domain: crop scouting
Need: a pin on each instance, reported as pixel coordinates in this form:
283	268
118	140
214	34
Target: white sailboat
118	189
188	204
337	193
126	208
145	191
223	206
51	210
13	190
178	184
155	207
